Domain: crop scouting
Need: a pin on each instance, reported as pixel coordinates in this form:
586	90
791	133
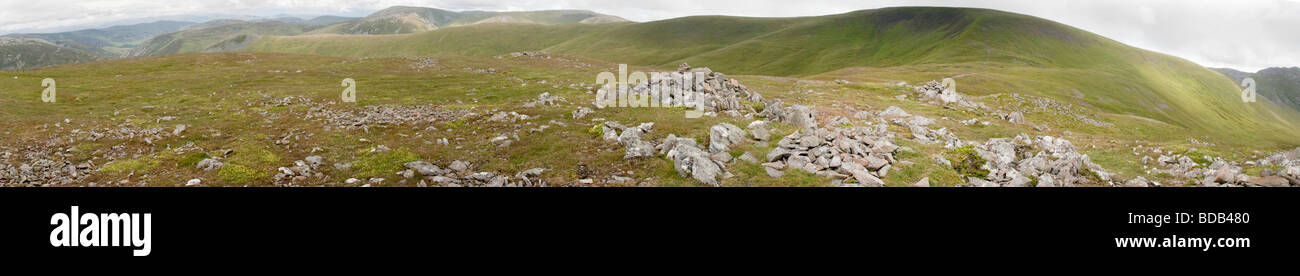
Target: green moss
457	124
1254	171
191	160
252	156
378	164
139	164
1092	176
237	174
967	162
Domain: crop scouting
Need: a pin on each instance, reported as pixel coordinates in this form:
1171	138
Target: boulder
1016	118
1268	181
802	118
976	182
722	136
638	149
1137	182
424	168
759	130
872	162
867	179
924	182
690	161
459	166
209	164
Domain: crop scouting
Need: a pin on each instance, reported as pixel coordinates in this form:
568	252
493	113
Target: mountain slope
108	42
215	36
401	19
996	52
24	53
1277	85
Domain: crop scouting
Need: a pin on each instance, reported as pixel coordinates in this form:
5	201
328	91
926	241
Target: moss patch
377	164
192	160
139	164
967	162
237	174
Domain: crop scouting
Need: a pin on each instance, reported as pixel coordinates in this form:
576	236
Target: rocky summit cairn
934	91
719	93
854	157
1042	161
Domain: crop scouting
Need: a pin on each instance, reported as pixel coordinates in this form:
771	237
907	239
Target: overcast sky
1247	35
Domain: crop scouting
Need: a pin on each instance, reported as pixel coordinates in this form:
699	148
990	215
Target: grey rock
1137	182
866	179
873	163
424	168
759	130
894	112
924	182
802	118
639	149
809	141
976	182
773	172
178	130
1016	118
315	161
582	112
1268	181
208	164
459	166
342	166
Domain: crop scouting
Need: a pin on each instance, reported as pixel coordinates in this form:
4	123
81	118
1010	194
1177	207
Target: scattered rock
924	182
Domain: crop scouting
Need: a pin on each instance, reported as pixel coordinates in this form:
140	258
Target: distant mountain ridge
1003	53
111	42
24	53
404	19
1280	85
223	35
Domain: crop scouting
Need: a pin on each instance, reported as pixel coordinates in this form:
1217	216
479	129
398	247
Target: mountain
401	19
24	53
217	36
327	20
994	52
108	42
1278	85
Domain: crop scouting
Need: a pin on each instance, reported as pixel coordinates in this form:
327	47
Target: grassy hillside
1277	85
262	111
401	20
199	39
995	52
24	53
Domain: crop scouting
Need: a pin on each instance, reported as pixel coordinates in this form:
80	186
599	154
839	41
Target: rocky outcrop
1043	161
857	156
459	174
719	94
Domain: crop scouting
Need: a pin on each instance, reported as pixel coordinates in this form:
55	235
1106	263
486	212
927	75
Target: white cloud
1247	35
